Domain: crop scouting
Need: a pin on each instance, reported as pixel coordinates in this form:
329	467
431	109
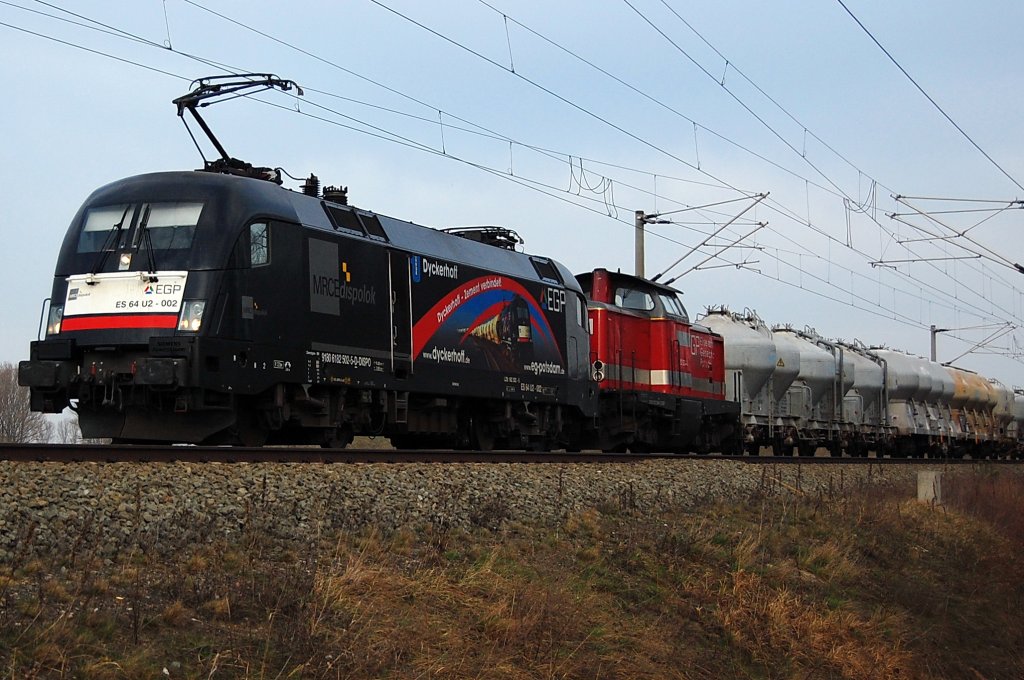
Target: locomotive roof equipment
226	88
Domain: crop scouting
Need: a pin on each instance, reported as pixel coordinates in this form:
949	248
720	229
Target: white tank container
749	348
1016	427
844	366
908	380
943	385
1003	409
903	376
863	400
787	367
817	365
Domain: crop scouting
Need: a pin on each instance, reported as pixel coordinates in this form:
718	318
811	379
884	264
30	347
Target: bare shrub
18	424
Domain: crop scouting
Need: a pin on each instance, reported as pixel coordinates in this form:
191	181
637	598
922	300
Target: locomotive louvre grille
350	220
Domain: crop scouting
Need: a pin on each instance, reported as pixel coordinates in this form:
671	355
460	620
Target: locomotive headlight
53	323
191	317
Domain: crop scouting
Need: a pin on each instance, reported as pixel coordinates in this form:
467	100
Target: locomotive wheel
337	438
250	429
481	434
403	441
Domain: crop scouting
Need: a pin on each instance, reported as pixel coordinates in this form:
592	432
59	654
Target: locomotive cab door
401	314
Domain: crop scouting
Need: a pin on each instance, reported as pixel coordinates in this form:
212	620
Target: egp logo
148	290
552	299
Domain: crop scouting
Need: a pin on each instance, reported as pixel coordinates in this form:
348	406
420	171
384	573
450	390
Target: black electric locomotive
207	308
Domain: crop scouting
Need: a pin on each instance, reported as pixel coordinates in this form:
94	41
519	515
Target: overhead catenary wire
848	201
374	130
158	70
108	29
736	98
150	42
96	52
652	99
732	65
427	148
582	109
491	61
929	98
758	117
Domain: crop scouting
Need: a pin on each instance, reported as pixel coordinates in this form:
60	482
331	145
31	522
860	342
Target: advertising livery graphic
330	281
490	322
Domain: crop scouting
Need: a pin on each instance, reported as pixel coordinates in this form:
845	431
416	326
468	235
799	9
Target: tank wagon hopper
1015	430
982	413
661	377
756	375
811	408
797	390
920	404
204	307
865	405
1004	433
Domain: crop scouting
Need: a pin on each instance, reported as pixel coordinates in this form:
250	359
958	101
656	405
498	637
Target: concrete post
929	486
640	220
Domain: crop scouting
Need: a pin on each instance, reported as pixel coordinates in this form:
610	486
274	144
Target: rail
106	453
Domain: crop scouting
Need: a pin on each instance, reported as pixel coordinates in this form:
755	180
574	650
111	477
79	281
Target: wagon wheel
804	449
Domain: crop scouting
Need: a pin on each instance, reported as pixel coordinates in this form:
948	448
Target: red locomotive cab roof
633	293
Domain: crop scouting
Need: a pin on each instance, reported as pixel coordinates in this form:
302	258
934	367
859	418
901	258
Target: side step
398	407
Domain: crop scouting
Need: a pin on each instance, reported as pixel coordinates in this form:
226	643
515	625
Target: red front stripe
91	323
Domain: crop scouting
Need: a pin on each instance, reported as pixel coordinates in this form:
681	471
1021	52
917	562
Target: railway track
106	453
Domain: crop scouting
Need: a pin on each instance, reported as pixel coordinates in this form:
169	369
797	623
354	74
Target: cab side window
259	244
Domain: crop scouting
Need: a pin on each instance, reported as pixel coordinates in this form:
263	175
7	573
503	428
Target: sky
559	120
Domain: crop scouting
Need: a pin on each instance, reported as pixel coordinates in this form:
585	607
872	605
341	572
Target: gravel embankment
46	507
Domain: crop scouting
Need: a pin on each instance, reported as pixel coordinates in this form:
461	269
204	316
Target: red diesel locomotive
661	378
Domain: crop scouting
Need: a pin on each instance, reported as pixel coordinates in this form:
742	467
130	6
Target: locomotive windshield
100	225
162	226
673	305
631	298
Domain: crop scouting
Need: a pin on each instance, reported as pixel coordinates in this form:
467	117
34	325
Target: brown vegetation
863	584
18	423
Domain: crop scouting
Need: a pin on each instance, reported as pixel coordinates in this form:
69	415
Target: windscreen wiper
113	236
147	241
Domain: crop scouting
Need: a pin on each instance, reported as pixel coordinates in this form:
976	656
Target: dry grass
993	496
862	584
